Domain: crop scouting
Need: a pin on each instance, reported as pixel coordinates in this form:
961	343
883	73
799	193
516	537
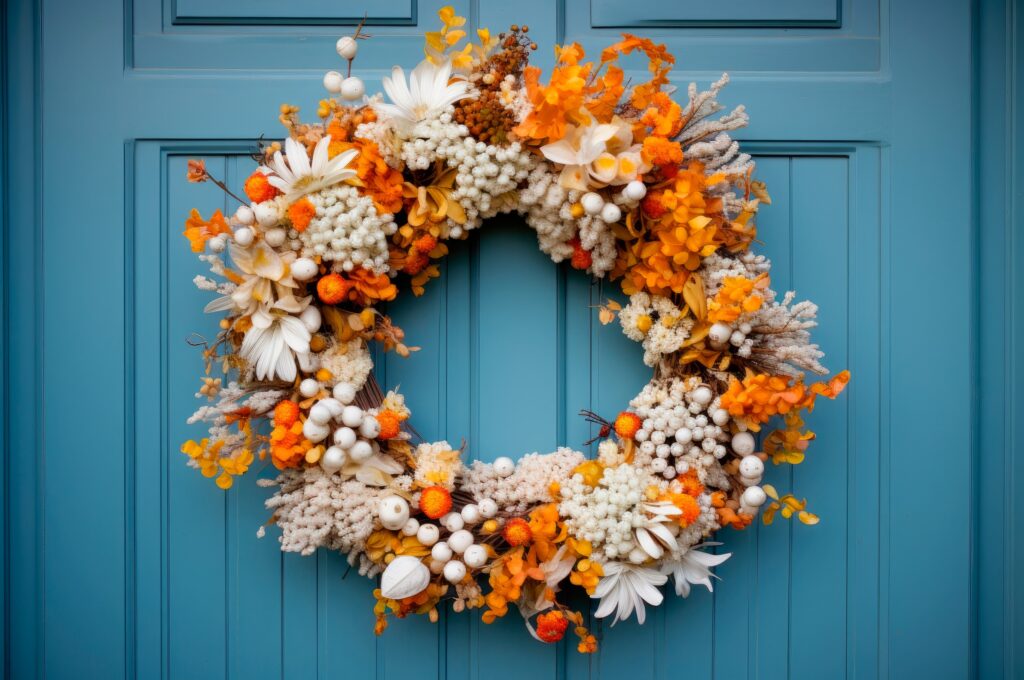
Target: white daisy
596	155
274	340
267	279
693	567
427	94
294	176
625	587
655	536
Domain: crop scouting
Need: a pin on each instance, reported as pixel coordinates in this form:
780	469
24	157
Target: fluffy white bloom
427	93
347	362
657	322
529	485
294	176
625	587
438	464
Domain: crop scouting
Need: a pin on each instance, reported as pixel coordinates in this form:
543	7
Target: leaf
808	518
760	190
693	294
770	490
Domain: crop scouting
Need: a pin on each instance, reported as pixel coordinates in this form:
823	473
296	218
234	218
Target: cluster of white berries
347	230
546	207
606	515
682	427
350	87
596	237
431	139
518	487
354	440
485	173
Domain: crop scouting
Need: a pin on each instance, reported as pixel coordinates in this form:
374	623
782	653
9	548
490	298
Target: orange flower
627	424
759	397
689	506
196	171
301	212
258	188
380	181
735	297
691	483
551	626
664	117
586	575
369	287
333	288
610	88
517	532
559	103
659	63
390	424
547	531
435	501
660	151
286	413
198	231
587	645
288	446
581	258
424	244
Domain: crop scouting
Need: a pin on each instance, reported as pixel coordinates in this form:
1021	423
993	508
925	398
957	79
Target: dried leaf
694	296
808	518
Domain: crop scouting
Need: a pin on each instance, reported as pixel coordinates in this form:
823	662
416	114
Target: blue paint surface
888	135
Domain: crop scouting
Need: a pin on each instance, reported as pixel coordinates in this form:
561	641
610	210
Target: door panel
511	349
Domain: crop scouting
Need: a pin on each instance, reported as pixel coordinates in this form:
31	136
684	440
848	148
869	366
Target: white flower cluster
607	514
656	322
428	140
528	485
347	230
683	428
596	236
486	174
347	362
545	204
315	509
437	464
716	268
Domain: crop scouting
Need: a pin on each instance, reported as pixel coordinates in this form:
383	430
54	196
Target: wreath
621	181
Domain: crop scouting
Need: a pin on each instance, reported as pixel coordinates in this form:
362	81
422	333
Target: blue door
874	123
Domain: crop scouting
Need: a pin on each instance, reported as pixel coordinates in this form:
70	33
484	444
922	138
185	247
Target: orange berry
551	626
517	532
416	263
627	424
332	288
301	212
258	188
581	258
286	413
390	424
653	207
424	244
435	502
690	507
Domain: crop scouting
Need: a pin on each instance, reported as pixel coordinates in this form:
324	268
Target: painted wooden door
124	563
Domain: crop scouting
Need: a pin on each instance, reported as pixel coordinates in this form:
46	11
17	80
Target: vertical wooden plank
819	559
347	646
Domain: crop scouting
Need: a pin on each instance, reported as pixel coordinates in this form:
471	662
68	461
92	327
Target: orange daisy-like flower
627	424
551	626
661	151
258	188
435	502
333	288
517	532
390	424
288	446
300	213
198	231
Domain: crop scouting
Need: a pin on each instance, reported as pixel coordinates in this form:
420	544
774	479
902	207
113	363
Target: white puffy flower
577	150
625	587
427	93
274	340
693	567
294	176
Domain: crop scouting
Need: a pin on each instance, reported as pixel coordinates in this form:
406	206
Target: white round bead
592	203
611	213
244	236
333	459
428	534
352	416
436	566
754	496
245	215
344	393
441	551
393	512
475	556
703	395
454	571
751	466
267	214
303	269
370	427
333	81
314	431
720	417
320	413
311	319
453	521
459	541
344	437
347	47
635	190
470	514
308	388
352	88
504	466
719	334
743	443
488	508
411	527
361	451
276	237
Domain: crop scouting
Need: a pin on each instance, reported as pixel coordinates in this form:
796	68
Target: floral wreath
621	181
